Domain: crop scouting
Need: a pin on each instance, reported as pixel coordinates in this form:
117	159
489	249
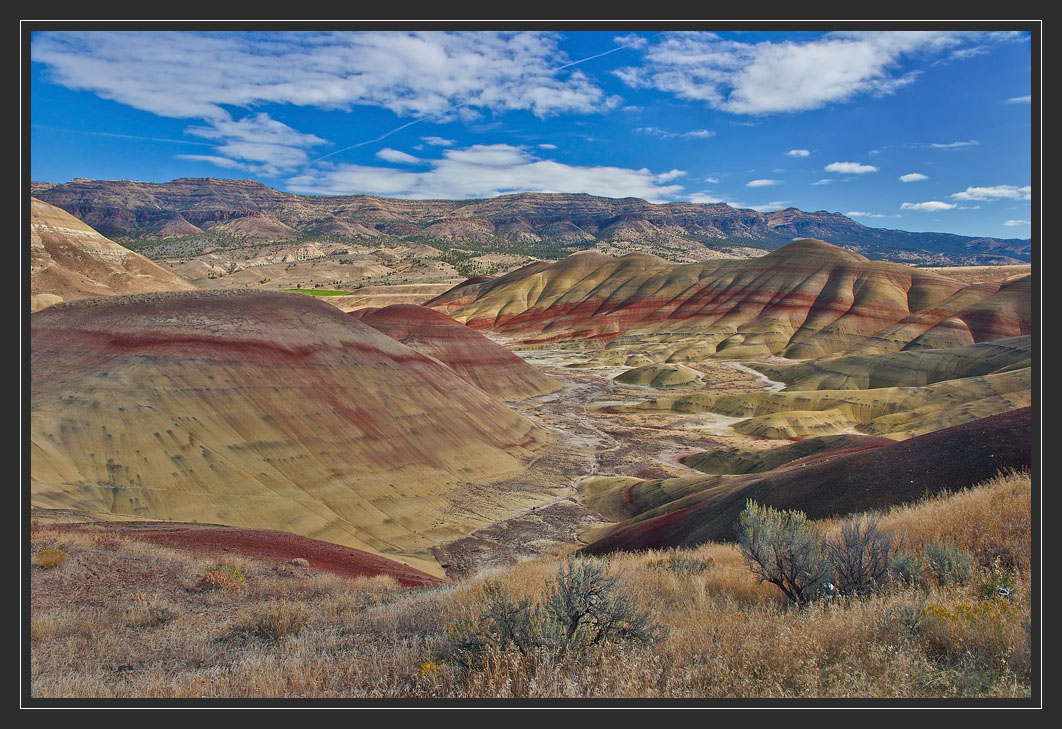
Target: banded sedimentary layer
71	261
474	357
272	411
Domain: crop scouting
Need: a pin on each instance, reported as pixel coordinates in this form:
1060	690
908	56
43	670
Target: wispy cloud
998	192
930	206
861	214
913	177
823	181
703	197
693	134
954	145
258	143
1020	100
771	206
850	168
762	183
787	76
1015	223
438	141
393	155
798	153
424	75
487	171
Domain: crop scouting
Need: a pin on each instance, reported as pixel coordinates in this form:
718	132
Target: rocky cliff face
123	209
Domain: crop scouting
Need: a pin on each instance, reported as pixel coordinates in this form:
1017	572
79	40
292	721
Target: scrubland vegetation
952	616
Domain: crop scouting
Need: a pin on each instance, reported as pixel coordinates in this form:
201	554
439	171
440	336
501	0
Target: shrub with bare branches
860	555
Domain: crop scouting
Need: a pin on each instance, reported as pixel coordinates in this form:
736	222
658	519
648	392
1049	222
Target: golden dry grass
294	633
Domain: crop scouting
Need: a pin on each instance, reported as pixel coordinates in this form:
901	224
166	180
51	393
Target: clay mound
736	460
692	511
381	296
264	410
976	313
806	300
905	369
898	412
476	359
661	376
261	544
71	261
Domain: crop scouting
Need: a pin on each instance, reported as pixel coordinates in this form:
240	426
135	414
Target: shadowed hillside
691	511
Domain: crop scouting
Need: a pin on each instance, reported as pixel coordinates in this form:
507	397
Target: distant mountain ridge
187	207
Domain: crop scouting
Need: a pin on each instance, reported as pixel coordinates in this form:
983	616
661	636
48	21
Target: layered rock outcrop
71	261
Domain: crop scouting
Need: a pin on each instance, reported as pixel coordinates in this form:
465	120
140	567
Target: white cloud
1014	223
861	214
798	153
191	75
930	206
429	75
913	177
487	171
547	146
762	183
998	192
770	77
712	180
1020	100
703	197
438	141
693	134
823	181
850	168
257	143
771	206
393	155
954	145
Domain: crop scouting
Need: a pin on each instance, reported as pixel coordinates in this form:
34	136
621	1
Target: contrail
123	136
449	110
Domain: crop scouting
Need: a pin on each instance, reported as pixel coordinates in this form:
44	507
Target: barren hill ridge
139	210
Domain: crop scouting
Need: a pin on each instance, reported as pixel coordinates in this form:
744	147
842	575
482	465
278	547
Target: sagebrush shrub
860	555
588	608
906	567
583	608
952	565
784	549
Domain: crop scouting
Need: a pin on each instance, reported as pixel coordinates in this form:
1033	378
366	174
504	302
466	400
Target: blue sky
919	129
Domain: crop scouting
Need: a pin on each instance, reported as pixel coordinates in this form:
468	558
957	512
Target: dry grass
123	620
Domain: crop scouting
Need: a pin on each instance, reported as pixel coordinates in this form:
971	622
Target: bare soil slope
271	411
70	261
474	357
